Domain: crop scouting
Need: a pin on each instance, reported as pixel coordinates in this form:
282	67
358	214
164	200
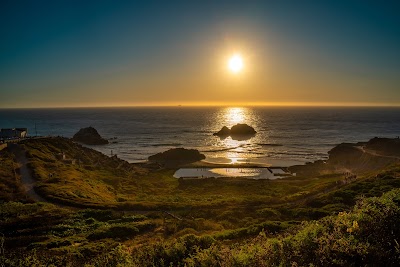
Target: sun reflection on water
235	151
235	115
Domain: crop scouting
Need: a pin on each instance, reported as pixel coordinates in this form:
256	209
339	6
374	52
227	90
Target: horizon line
237	104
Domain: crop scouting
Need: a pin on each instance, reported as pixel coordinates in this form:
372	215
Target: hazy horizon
271	105
266	105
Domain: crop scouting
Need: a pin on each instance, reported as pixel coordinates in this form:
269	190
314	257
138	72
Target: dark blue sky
74	53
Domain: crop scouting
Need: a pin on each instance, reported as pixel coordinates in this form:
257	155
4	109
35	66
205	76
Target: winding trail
374	153
26	177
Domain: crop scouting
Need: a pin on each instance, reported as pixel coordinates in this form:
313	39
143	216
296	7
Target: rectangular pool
250	173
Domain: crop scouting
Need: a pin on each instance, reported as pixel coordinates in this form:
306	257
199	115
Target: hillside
356	158
365	236
96	180
11	188
108	211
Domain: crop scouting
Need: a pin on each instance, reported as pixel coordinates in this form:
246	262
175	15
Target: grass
10	186
68	230
98	181
102	181
367	235
210	222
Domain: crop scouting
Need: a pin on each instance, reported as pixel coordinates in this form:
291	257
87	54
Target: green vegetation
10	185
125	214
96	180
367	235
43	226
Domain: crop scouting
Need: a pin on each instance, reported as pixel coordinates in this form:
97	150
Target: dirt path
29	182
26	177
374	153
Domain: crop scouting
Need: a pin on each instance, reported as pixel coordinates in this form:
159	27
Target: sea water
285	136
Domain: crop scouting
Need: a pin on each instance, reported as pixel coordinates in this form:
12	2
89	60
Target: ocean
285	135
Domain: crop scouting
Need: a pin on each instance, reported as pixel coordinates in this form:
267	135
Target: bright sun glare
235	115
235	63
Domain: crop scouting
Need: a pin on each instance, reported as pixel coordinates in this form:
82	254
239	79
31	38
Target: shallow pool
250	173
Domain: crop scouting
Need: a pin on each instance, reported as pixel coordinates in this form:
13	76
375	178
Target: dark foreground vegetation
366	235
103	211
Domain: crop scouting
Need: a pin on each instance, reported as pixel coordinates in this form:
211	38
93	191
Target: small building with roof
13	133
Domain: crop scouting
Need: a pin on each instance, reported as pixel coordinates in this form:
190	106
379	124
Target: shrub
115	231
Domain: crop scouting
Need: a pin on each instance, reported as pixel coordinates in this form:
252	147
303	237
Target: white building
13	133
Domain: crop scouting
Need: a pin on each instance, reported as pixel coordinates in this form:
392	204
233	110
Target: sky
160	53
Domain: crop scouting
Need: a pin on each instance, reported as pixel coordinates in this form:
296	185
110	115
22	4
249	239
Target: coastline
302	134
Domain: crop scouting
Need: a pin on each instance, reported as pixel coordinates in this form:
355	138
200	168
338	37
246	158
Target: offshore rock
181	155
89	136
242	129
224	132
237	132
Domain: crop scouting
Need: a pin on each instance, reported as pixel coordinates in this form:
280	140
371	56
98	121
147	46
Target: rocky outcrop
180	155
242	129
224	132
237	132
89	136
361	157
384	146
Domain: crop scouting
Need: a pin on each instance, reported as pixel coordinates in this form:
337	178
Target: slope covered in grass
72	174
365	236
11	188
96	180
300	220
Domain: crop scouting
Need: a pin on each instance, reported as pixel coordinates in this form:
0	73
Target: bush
100	215
366	236
115	231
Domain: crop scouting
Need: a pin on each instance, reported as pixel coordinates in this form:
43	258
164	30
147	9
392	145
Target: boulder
89	136
178	155
242	129
225	131
237	132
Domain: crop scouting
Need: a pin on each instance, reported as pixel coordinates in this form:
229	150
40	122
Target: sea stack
242	129
224	132
237	132
89	136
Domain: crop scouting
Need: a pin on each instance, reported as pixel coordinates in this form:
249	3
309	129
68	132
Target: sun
235	63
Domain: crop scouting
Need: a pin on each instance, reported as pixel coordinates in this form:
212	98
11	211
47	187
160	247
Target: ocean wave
219	149
166	144
249	152
130	153
268	144
288	153
225	149
199	131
